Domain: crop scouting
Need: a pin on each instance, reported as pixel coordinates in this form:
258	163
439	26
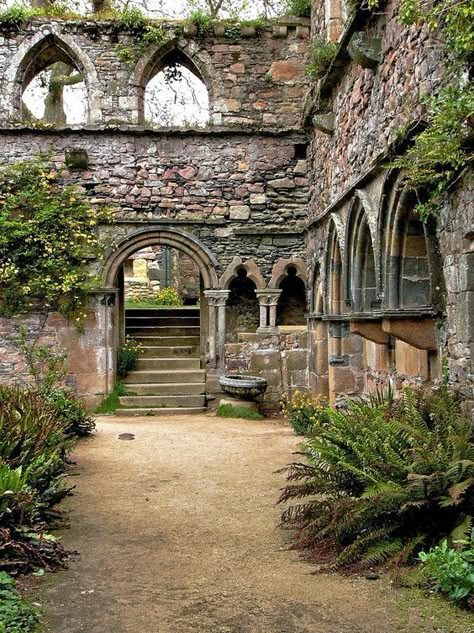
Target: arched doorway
175	341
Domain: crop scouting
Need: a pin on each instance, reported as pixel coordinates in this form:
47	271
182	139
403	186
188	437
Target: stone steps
163	376
184	401
162	330
167	341
145	321
168	364
182	311
166	389
168	379
178	351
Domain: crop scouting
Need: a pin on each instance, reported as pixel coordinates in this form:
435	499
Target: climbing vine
444	147
47	237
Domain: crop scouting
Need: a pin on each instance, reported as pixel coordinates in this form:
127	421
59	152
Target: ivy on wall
47	238
444	148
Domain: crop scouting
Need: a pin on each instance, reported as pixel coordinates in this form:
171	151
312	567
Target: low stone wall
280	358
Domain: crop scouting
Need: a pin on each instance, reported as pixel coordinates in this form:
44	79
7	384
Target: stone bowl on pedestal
243	388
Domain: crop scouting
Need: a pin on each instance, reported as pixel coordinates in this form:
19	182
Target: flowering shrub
47	237
304	412
168	297
127	357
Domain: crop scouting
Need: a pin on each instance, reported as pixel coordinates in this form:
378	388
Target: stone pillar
268	300
216	300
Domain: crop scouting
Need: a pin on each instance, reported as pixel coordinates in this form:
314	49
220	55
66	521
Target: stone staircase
168	379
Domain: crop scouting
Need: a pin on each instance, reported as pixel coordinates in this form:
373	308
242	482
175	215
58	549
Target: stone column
216	300
268	300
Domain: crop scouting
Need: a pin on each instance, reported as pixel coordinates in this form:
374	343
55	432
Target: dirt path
177	533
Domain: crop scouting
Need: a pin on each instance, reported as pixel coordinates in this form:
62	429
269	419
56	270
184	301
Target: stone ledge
296	134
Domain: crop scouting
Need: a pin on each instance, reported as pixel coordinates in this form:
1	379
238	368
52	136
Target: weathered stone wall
391	320
370	106
280	358
254	80
240	195
456	242
90	352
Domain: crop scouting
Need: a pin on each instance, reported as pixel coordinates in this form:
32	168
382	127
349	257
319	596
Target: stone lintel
370	330
419	333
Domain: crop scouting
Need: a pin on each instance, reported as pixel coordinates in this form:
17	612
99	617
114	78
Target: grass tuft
231	411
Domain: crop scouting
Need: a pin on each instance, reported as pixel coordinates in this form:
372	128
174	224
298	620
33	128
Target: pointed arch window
361	271
53	87
175	93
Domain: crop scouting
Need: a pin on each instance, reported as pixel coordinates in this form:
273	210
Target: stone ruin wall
240	187
244	187
347	166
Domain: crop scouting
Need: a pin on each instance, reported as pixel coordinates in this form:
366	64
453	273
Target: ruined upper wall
255	79
369	106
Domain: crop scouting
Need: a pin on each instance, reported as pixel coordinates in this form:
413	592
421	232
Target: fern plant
384	478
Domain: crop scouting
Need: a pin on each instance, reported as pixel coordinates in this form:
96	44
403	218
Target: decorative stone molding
253	273
268	300
53	36
216	300
280	271
175	238
365	51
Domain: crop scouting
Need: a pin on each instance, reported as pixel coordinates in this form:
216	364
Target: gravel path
177	533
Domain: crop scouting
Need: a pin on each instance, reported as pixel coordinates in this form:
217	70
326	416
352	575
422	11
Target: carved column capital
268	297
217	298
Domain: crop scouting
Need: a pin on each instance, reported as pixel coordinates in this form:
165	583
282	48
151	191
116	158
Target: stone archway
114	311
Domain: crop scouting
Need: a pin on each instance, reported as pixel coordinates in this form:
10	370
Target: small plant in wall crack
127	357
322	54
146	36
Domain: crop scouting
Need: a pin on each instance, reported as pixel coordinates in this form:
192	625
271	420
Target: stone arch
280	271
316	291
407	245
360	263
188	244
251	268
34	54
334	275
156	58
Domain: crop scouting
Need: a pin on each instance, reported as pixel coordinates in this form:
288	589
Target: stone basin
243	387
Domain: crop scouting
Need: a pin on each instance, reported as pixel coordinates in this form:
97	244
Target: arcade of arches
297	254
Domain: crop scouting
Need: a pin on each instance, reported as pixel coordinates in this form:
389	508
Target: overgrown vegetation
304	412
47	237
383	479
300	8
168	297
37	429
244	413
145	32
127	357
16	615
322	53
17	15
450	570
441	151
111	403
47	369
